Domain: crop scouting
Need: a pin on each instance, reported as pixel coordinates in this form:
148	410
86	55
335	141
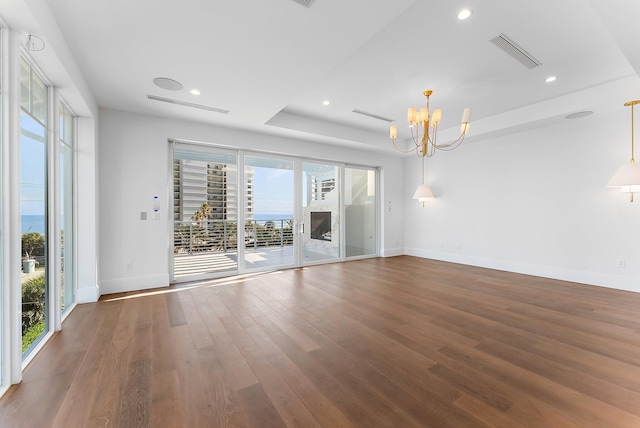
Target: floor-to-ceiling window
33	205
37	220
67	250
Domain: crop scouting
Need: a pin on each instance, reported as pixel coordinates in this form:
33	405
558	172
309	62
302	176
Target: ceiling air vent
515	51
305	3
373	115
187	104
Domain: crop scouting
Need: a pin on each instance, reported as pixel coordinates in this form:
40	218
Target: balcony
211	246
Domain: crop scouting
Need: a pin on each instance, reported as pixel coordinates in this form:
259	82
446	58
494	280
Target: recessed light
326	103
195	92
550	79
166	83
464	14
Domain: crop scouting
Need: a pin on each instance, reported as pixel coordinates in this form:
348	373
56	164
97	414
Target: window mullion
54	268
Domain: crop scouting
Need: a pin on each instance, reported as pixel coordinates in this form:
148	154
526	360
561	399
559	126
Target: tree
33	244
205	209
197	217
202	214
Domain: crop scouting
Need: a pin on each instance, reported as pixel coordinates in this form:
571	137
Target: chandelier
424	134
627	178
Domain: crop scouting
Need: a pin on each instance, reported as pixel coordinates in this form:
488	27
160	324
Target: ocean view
257	216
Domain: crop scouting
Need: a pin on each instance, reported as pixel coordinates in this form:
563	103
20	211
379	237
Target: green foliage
31	335
202	214
33	244
33	303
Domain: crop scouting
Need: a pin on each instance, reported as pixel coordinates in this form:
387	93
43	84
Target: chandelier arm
431	149
451	145
401	150
415	138
435	136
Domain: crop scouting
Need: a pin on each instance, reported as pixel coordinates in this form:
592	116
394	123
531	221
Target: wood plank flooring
395	342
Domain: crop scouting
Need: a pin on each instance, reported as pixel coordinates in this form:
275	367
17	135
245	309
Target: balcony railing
221	235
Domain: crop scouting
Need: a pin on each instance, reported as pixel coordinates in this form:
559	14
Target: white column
87	210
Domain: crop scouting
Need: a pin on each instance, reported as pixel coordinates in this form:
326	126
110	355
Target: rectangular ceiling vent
305	3
373	115
515	51
184	103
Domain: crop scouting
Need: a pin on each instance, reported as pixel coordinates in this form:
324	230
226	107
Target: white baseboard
591	278
392	252
133	283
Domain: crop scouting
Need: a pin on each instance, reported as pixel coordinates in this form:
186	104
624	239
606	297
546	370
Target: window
33	206
40	167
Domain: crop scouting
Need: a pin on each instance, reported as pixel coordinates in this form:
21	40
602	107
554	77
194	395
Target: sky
32	167
273	191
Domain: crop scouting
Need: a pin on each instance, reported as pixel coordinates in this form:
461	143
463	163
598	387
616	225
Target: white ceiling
272	63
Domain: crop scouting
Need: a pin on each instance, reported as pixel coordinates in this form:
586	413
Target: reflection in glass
320	208
360	211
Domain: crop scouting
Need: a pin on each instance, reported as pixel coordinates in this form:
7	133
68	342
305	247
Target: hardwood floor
394	342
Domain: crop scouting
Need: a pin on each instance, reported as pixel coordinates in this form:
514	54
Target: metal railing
191	237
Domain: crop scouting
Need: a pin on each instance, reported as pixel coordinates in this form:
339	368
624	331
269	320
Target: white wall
534	202
132	168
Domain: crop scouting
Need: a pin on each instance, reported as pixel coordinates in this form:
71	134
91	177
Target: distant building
196	181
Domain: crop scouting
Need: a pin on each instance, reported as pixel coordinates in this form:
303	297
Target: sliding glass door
237	212
360	221
321	213
268	212
205	212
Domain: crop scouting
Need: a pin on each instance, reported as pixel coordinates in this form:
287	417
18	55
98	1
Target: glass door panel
360	212
268	212
205	212
321	221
